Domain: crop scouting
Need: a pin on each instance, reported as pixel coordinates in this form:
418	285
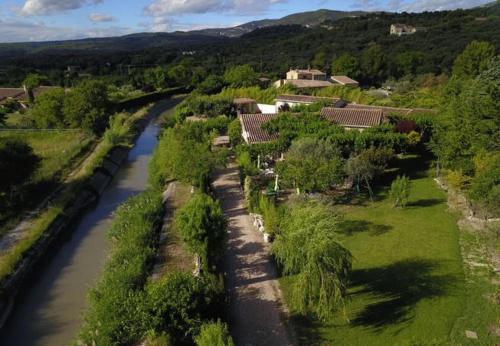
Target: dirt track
256	314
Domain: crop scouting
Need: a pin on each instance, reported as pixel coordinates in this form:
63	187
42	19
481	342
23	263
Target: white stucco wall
267	109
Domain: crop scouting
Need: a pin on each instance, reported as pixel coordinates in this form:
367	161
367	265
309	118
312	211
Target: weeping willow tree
307	247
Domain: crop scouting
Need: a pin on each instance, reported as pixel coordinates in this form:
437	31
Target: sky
42	20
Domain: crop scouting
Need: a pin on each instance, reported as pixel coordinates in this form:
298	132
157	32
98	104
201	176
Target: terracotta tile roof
344	80
243	100
349	117
10	93
252	128
389	110
304	98
307	83
20	95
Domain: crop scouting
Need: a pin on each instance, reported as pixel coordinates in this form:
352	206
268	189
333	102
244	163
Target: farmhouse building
309	74
402	29
353	119
312	78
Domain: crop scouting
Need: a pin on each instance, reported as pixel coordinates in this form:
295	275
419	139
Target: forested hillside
374	55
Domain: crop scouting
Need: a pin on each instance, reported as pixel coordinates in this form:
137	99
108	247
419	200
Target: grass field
59	151
407	283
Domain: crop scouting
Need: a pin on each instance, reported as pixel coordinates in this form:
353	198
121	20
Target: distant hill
180	38
308	19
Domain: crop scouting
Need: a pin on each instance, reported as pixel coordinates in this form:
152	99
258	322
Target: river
50	311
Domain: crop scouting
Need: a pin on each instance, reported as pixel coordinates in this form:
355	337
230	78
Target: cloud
45	7
440	5
415	5
24	31
100	18
161	8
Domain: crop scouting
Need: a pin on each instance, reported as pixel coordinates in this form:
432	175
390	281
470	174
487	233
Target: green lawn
59	151
407	284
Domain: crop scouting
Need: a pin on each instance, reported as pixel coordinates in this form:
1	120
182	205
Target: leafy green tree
319	60
211	85
32	81
367	165
180	157
373	63
408	62
234	132
474	59
180	75
17	163
203	228
311	165
48	110
320	264
157	77
400	191
214	334
360	170
346	65
241	76
86	106
470	122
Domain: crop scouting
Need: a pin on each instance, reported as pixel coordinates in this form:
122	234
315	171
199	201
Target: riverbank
84	189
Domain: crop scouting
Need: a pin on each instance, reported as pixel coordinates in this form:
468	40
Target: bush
116	313
400	191
180	302
234	132
457	180
214	334
202	226
270	214
485	185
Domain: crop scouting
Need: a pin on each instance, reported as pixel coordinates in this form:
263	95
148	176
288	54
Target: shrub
203	228
117	311
180	302
457	180
400	191
234	132
214	334
270	214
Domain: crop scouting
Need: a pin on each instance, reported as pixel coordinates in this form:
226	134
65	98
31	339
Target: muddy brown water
50	310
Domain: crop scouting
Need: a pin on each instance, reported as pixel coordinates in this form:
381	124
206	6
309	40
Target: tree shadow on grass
399	286
429	202
351	227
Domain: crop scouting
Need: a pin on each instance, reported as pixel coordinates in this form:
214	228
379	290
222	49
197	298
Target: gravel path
256	314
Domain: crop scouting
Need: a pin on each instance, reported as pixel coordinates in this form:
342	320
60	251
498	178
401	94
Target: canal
50	310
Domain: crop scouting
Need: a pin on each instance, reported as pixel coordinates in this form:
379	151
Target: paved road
255	315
